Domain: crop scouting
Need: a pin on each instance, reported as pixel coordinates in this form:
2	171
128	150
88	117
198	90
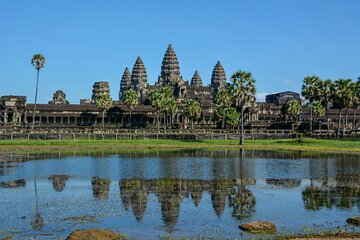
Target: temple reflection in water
163	186
171	192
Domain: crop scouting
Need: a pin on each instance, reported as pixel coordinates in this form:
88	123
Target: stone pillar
14	118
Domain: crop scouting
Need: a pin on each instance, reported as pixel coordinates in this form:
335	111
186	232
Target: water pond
181	193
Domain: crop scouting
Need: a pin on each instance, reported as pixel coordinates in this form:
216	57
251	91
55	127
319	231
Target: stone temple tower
196	80
99	88
218	79
139	79
125	83
170	70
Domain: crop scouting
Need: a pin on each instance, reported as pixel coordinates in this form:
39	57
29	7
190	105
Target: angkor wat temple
15	113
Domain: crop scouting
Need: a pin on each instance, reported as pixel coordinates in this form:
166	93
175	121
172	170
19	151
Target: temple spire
139	79
170	70
196	79
125	82
218	78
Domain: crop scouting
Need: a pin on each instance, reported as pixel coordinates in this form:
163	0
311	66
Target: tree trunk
103	120
354	119
311	118
223	122
158	121
242	126
346	116
327	121
36	93
130	119
192	123
339	123
346	121
165	120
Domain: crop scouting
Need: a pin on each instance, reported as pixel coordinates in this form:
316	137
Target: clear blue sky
279	41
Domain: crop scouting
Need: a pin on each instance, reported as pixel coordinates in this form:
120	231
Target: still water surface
184	193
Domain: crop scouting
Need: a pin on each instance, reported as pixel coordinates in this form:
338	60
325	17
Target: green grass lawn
305	144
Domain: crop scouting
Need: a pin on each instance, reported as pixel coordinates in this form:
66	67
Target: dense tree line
342	94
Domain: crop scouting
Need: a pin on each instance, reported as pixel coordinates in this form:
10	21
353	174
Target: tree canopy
38	61
192	109
130	99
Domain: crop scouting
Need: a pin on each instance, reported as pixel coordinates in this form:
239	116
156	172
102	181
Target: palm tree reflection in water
38	222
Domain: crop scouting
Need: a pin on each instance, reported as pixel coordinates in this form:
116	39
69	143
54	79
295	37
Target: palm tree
171	109
223	101
38	61
104	103
310	91
293	108
167	96
157	101
242	91
131	100
342	97
38	222
326	95
193	109
319	110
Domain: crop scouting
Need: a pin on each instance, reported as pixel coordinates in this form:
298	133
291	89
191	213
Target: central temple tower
218	79
170	70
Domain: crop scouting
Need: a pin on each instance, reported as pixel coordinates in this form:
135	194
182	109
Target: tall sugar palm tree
242	90
342	97
293	108
193	109
326	96
104	103
310	91
38	61
131	101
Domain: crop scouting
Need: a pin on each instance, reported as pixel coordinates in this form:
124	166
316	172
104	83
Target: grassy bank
306	144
